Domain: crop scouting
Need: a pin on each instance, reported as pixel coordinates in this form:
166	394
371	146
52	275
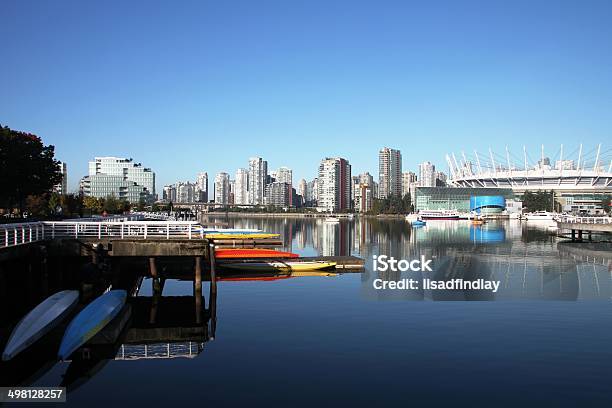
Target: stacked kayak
241	253
42	319
240	235
93	318
271	266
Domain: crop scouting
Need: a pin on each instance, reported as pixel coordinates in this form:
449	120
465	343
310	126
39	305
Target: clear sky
201	86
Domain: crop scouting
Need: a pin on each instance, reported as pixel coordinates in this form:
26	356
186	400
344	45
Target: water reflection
150	326
162	324
526	258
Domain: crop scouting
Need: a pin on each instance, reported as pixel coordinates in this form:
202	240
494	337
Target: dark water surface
544	339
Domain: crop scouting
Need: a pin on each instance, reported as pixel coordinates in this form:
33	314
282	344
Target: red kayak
243	253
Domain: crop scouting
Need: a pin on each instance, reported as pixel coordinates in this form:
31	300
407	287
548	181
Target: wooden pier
579	227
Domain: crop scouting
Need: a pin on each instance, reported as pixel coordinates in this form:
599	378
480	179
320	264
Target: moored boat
438	215
254	235
39	321
280	266
93	318
418	223
539	216
246	253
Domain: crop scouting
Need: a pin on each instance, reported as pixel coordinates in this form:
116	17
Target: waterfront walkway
579	225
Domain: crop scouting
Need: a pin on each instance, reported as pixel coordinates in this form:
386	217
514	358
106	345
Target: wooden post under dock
197	288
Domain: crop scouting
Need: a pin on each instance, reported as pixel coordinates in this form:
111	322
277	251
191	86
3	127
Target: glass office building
456	198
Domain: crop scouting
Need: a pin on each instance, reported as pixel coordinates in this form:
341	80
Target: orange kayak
233	253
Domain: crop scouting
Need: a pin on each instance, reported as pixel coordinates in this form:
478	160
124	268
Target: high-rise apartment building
334	184
441	179
185	192
363	198
222	188
201	191
408	179
241	191
427	174
62	186
390	172
258	174
278	194
285	175
169	194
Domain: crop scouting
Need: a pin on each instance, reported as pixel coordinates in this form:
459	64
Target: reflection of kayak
252	253
255	278
301	274
44	317
280	266
254	235
91	320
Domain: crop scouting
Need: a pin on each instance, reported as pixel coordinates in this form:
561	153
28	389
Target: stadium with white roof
580	178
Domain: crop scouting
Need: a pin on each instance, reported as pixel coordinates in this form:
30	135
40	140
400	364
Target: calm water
544	339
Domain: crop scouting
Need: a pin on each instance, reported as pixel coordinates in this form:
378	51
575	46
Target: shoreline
302	215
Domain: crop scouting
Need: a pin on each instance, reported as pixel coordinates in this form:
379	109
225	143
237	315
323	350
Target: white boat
438	215
42	319
539	216
332	220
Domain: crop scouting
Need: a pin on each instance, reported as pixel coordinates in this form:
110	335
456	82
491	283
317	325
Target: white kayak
40	321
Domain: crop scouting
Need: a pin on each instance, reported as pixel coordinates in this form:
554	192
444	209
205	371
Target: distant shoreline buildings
579	184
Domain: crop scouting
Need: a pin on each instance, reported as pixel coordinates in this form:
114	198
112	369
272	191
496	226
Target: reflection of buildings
334	239
528	263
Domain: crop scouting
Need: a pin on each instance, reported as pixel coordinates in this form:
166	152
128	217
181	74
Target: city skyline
200	95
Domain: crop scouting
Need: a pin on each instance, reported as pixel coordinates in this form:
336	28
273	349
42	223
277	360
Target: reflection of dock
595	253
189	349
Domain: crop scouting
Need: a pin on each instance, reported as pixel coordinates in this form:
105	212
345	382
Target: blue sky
201	86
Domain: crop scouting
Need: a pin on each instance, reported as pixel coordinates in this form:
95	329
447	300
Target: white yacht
540	216
438	215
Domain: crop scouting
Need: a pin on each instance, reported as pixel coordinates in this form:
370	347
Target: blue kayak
91	320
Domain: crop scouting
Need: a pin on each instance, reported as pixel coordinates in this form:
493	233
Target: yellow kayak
280	266
259	235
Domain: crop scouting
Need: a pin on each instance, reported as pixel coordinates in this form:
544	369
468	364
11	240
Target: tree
27	168
92	204
538	201
37	205
112	205
72	204
606	202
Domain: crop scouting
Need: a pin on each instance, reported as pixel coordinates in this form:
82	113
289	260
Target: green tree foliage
392	205
606	202
538	201
72	205
27	168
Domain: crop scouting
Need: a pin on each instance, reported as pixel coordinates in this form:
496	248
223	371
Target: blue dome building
487	204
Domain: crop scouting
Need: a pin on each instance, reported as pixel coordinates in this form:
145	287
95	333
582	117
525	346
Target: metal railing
19	234
584	220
